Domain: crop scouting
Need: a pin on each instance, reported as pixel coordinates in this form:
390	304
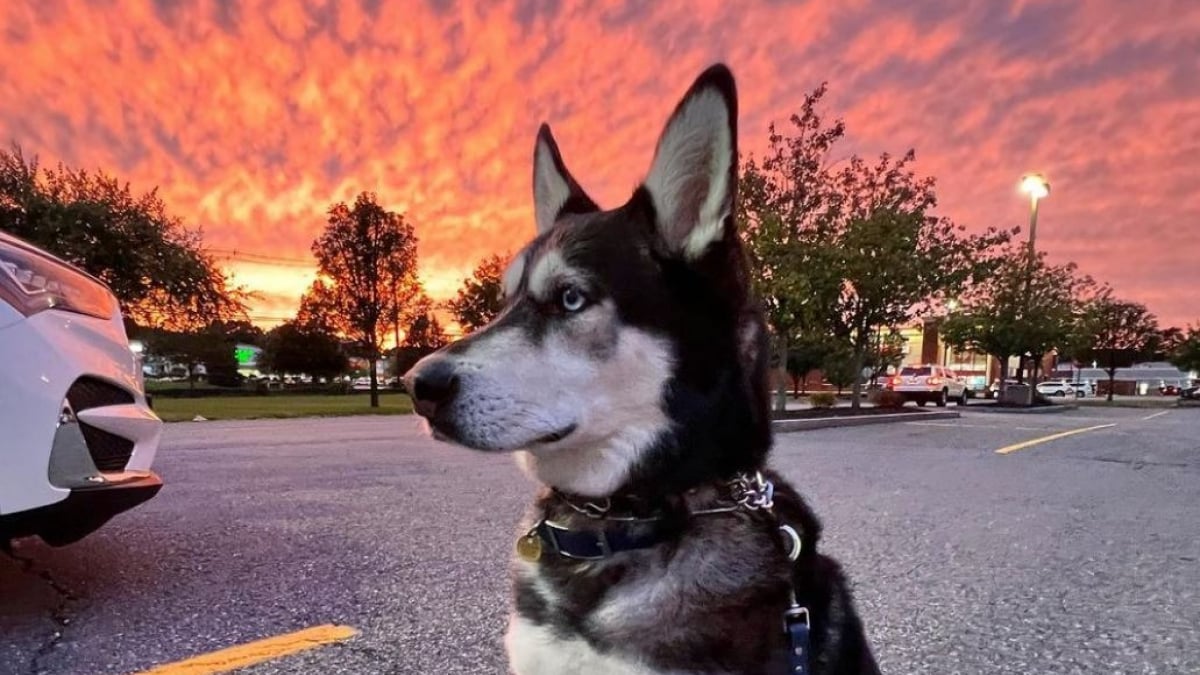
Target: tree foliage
482	296
368	257
887	351
1165	343
1019	310
783	200
1186	354
848	251
210	347
422	328
841	367
157	267
295	347
805	354
240	331
1114	333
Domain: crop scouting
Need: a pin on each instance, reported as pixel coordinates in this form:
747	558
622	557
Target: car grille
90	392
109	451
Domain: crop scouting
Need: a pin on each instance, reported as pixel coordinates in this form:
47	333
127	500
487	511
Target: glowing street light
1034	185
1038	189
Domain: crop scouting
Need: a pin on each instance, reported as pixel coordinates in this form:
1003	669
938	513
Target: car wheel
943	398
1060	392
962	399
1078	394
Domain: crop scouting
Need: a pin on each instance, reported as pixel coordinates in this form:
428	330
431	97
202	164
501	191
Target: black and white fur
630	362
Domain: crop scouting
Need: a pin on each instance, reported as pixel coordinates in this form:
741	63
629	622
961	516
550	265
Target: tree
368	255
852	250
805	355
422	328
294	347
889	259
841	368
482	296
240	331
886	352
1019	310
209	347
1165	343
1186	354
423	335
782	202
318	308
157	268
1114	333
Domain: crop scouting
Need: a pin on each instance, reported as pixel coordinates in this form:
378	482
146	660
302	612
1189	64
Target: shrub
822	399
889	399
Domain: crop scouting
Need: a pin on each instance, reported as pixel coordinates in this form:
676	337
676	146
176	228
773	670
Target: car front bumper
72	409
84	510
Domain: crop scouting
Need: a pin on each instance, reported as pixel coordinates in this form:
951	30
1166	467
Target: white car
77	436
929	383
1062	388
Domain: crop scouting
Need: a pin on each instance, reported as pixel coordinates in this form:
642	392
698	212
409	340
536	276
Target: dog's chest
623	620
539	650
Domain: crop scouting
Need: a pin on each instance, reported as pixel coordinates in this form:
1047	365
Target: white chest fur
536	650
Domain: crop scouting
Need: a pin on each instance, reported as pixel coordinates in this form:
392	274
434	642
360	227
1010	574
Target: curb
788	426
1039	410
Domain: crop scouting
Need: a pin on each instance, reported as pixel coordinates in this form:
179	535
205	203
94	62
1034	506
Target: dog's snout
433	386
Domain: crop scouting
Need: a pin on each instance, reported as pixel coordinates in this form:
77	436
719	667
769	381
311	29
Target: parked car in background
1169	390
1191	393
1062	388
927	383
77	435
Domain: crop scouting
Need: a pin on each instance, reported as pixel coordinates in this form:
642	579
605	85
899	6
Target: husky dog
628	371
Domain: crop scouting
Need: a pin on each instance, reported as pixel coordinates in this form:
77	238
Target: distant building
1140	379
923	345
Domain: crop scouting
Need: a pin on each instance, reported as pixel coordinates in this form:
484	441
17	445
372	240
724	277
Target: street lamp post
1035	185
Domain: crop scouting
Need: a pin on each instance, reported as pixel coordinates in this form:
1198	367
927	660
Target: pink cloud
253	118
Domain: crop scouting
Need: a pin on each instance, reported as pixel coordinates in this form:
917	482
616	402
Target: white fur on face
547	270
590	373
689	179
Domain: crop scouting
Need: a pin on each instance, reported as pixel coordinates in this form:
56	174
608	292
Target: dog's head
628	349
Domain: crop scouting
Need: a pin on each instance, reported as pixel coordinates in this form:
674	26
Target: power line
260	258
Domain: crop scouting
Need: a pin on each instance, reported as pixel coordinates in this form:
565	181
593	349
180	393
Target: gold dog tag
529	547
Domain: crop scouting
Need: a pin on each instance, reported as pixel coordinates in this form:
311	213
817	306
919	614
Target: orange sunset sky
253	117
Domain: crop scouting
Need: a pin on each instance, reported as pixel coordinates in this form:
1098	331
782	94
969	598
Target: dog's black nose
433	386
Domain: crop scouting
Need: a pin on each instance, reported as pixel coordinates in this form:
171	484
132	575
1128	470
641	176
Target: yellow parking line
233	658
1052	437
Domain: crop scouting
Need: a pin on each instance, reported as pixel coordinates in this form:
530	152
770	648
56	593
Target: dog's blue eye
572	300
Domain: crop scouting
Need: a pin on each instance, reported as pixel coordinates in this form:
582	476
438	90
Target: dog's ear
693	179
555	190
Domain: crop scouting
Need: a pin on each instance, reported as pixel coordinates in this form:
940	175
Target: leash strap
795	622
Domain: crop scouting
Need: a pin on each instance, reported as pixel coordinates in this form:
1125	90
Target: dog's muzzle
433	387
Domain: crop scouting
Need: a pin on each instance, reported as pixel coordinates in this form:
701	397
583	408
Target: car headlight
32	281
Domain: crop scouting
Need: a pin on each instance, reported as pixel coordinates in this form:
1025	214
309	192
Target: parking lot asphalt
1075	554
